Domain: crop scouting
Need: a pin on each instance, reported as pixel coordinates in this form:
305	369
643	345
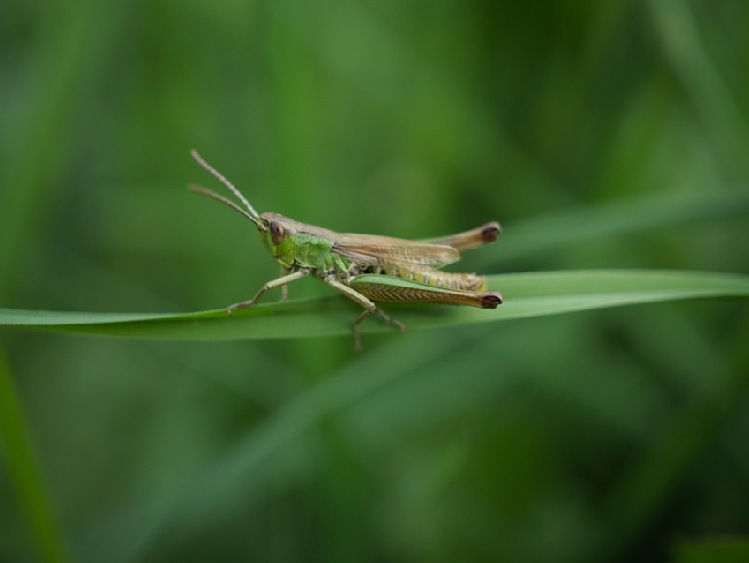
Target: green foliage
609	139
723	550
34	499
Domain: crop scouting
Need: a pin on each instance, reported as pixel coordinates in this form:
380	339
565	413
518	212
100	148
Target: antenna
252	215
221	199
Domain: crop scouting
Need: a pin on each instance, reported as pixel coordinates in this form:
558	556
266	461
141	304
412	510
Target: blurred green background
601	134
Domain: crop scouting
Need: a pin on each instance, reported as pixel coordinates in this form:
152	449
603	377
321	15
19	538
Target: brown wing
474	238
373	249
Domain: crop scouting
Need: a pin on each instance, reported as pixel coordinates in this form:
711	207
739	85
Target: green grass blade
25	472
545	233
526	295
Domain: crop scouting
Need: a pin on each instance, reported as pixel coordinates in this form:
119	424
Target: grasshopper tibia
369	308
281	282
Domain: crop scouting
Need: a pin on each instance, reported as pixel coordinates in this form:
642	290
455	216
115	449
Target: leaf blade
526	295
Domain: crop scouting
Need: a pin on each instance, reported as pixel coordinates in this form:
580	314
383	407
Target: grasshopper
365	268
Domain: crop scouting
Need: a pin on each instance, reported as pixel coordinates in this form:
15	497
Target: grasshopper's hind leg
369	308
282	282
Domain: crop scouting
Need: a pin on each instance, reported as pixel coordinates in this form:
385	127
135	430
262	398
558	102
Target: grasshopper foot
391	320
241	305
388	319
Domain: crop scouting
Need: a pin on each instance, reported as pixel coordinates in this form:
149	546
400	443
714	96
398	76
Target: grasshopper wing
474	238
373	250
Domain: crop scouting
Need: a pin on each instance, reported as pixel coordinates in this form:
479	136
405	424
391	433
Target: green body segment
299	248
316	252
311	251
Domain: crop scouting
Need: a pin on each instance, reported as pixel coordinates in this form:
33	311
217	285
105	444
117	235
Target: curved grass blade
526	295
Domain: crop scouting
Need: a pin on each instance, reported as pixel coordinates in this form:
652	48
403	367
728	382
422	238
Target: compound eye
276	232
